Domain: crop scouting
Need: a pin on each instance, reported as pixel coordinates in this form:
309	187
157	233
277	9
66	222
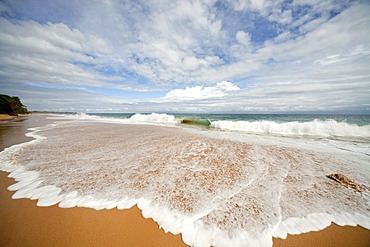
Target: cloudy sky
250	56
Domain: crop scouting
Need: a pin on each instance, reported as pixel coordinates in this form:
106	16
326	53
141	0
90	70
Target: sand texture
24	224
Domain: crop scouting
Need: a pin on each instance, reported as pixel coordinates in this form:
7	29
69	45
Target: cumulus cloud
51	53
199	92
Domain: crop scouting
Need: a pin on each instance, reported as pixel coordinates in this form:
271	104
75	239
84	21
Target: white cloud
257	5
312	25
243	38
280	16
342	34
69	99
174	41
51	53
159	45
199	92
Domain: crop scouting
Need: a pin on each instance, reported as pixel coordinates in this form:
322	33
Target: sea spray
328	128
138	118
153	118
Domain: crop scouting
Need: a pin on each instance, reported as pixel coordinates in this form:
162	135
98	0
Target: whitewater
233	182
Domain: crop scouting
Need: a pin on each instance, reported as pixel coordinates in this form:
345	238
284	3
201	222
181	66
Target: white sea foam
213	191
138	118
316	127
153	118
89	118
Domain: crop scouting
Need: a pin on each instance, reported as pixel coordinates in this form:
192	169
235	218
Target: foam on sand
212	191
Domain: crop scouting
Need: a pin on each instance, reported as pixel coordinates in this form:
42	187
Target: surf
326	128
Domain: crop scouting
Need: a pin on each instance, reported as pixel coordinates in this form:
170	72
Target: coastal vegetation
11	105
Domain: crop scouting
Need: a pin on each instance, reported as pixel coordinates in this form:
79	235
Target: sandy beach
24	224
4	117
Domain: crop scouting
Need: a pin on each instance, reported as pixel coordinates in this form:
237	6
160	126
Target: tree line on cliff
11	105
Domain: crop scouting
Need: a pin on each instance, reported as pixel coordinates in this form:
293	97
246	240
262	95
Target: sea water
239	181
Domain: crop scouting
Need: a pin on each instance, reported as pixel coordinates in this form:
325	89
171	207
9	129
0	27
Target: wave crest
153	118
316	127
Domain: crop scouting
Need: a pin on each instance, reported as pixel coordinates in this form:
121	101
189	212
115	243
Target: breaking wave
328	128
196	121
153	118
314	128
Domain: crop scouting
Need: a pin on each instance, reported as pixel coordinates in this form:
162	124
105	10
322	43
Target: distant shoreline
7	117
4	117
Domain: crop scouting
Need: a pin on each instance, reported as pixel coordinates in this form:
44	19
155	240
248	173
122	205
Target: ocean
283	124
217	179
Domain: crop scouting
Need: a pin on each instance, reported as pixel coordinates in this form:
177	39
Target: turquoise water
340	127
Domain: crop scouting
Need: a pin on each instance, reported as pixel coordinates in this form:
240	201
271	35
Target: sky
228	56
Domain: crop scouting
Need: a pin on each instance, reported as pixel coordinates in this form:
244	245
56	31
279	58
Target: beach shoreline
25	223
5	117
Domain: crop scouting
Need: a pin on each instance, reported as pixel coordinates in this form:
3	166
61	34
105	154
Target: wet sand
24	224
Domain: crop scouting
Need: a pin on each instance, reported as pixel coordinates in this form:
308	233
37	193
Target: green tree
11	105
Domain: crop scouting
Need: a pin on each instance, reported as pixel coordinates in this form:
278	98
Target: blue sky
250	56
